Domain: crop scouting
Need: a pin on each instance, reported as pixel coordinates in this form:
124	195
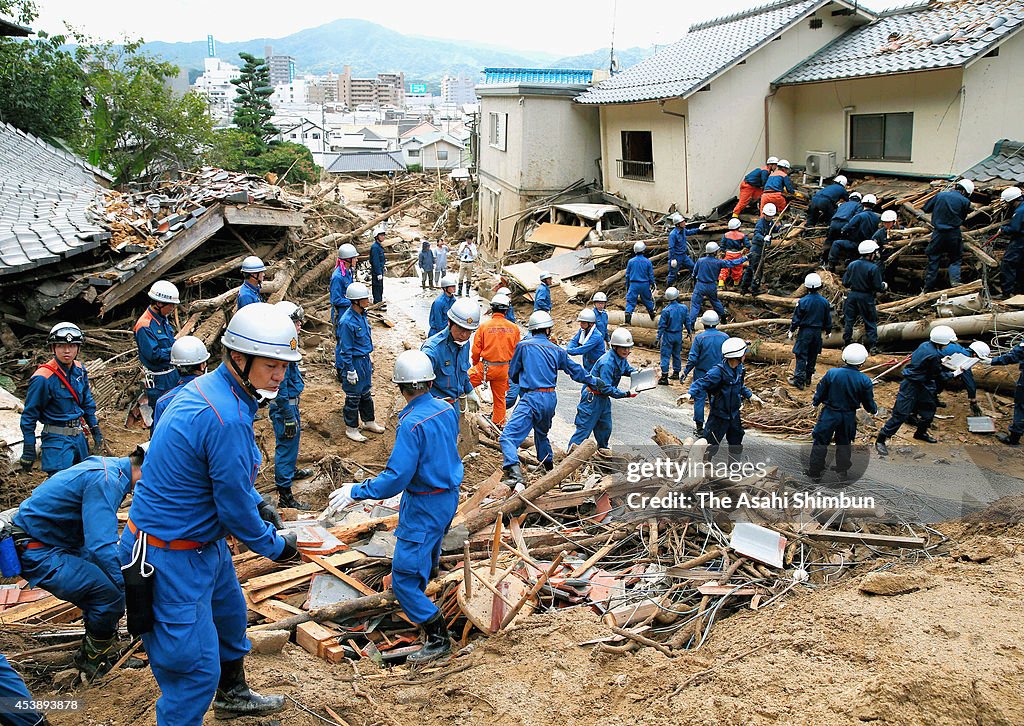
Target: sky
562	28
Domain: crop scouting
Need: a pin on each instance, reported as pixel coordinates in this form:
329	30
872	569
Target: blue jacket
677	248
451	365
417	463
847	211
708	268
591	350
542	298
672	320
426	259
50	402
705	352
537	360
762	229
76	510
949	209
377	259
833	193
734	241
165	400
863	276
291	388
602	322
154	335
725	386
881	236
1016	355
199	474
812	311
610	368
863	226
353	340
639	271
248	294
438	319
925	365
757	177
779	181
340	280
845	389
1014	230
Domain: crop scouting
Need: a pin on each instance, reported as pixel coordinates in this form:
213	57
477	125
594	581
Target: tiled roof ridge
66	155
757	10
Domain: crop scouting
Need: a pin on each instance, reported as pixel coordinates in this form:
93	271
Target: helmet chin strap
261	395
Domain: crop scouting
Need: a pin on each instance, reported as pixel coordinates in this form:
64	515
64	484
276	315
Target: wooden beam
264	216
866	538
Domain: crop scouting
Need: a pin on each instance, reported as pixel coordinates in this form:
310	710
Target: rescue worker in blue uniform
671	324
840	392
594	413
378	264
438	318
707	271
863	278
197	486
811	317
843	214
599	302
542	295
705	354
344	274
59	397
188	356
353	365
287	422
535	365
760	241
154	336
864	223
825	202
724	384
844	250
13	690
639	282
949	210
66	537
918	389
253	272
425	467
678	251
1011	268
448	352
978	349
1014	357
588	341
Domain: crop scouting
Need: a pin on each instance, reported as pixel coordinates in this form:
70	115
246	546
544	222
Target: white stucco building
215	84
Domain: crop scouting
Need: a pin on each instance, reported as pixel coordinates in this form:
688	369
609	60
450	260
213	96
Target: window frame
856	147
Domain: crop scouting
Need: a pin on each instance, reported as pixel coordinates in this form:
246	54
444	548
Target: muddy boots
96	656
436	641
975	408
514	476
663	381
1010	439
287	500
234	697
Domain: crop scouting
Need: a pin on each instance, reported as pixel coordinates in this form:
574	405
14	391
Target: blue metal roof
537	75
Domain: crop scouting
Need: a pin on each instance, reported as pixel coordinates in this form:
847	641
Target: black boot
96	656
794	381
1010	439
436	641
303	473
923	435
285	499
663	381
513	474
975	408
629	318
674	376
234	697
880	446
698	429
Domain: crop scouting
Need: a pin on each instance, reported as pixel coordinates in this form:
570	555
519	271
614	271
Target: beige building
385	89
434	151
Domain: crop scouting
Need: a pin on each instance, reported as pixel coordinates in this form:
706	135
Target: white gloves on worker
674	263
686	397
885	285
702	226
767	239
756	399
473	401
352	377
789	335
986	361
341	498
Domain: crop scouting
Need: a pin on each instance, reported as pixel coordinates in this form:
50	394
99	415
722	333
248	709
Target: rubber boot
354	435
1010	439
629	318
698	429
674	376
373	427
880	446
234	697
663	381
975	408
513	474
794	381
437	643
95	658
923	435
303	473
287	500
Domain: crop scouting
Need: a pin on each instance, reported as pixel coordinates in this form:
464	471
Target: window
497	129
637	160
294	136
316	135
414	153
882	136
442	154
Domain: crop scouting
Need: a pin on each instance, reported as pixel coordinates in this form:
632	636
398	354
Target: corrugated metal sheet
1006	162
537	75
367	161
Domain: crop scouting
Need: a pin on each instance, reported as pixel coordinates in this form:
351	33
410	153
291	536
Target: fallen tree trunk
916	330
902	306
283	272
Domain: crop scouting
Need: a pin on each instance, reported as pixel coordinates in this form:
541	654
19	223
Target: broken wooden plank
347	579
263	216
866	538
305	570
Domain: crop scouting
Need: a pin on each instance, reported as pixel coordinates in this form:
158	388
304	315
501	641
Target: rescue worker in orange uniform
493	345
735	245
779	187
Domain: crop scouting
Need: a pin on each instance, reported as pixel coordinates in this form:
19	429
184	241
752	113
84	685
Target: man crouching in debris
66	537
425	465
196	487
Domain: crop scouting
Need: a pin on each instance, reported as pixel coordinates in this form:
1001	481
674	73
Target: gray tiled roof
9	27
367	161
914	38
46	203
707	49
1006	163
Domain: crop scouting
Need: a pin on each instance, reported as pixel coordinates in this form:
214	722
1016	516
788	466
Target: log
619	276
769	300
337	611
269	287
608	244
966	325
902	306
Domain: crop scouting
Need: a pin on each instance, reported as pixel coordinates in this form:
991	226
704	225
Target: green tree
240	150
253	110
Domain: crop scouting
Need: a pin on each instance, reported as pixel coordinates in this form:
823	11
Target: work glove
268	513
291	429
756	399
352	377
341	498
986	361
27	459
702	226
291	546
789	335
99	445
674	263
472	401
380	277
768	239
686	397
885	285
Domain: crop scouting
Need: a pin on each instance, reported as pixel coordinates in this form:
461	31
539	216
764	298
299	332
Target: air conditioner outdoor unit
821	164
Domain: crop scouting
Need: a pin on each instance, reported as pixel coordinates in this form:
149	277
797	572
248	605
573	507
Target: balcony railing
636	170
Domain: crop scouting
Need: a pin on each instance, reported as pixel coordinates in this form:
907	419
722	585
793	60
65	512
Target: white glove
472	402
986	361
885	285
685	397
341	498
756	399
789	335
352	377
702	226
767	239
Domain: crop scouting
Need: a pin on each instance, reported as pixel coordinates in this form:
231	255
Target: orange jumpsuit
493	345
734	249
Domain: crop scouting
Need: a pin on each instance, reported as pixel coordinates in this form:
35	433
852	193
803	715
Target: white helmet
163	291
889	215
501	302
413	366
841	180
710	319
675	218
734	348
599	297
772	160
967	185
980	348
65	333
869	199
855	354
639	247
545	276
855	196
540	320
356	291
449	281
252	265
622	338
711	248
812	281
769	210
942	335
189	350
262	330
465	313
1010	194
347	252
293	310
672	293
587	315
867	247
735	223
501	291
784	164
